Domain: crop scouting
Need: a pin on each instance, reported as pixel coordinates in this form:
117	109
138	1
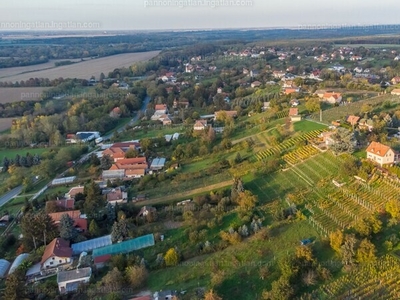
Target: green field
11	153
306	126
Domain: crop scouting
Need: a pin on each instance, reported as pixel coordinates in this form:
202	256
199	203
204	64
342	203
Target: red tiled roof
63	203
134	160
353	120
378	149
161	107
130	172
294	111
102	258
57	247
74	214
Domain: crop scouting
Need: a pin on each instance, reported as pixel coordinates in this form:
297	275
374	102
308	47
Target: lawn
11	153
239	263
151	132
306	126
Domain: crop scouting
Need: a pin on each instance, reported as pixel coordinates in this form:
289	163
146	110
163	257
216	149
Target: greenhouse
90	245
64	180
126	247
4	266
17	262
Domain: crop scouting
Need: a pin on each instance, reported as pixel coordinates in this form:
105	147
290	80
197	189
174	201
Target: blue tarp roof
90	245
126	246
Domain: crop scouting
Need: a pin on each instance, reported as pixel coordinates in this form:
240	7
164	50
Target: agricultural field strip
365	282
300	154
287	144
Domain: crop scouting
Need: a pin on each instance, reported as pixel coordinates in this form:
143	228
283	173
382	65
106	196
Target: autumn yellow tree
336	240
136	275
247	200
171	258
393	208
366	252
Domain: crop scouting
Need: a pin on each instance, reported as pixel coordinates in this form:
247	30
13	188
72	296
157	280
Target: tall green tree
67	229
37	229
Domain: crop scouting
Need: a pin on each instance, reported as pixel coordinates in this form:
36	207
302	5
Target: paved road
11	194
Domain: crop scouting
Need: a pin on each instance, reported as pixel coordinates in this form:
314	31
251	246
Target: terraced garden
300	154
378	280
287	144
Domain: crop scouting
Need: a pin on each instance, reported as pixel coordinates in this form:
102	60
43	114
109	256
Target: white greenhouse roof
158	163
64	180
4	266
90	245
17	262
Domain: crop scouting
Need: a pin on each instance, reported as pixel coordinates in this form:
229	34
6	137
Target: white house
57	253
69	281
381	154
200	125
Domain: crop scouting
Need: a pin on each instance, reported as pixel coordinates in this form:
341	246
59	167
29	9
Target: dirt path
186	194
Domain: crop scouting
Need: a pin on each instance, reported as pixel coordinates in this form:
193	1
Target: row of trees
26	161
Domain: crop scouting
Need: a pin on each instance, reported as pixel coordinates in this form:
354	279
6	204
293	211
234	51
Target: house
160	113
366	124
332	97
395	92
117	151
135	173
87	136
74	191
255	84
200	125
115	113
395	80
184	104
353	120
65	204
320	93
278	74
189	68
100	261
291	90
80	221
69	281
294	114
326	137
117	195
57	253
146	210
381	154
164	295
266	106
254	73
294	102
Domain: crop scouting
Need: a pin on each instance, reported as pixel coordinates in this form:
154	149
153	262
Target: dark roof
75	274
57	247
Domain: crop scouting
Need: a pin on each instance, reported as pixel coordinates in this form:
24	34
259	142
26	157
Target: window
51	262
52	258
60	261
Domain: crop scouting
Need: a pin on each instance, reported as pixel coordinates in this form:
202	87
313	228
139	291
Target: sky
193	14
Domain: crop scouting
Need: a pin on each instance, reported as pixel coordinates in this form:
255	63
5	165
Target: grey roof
158	163
92	244
4	266
17	262
74	275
